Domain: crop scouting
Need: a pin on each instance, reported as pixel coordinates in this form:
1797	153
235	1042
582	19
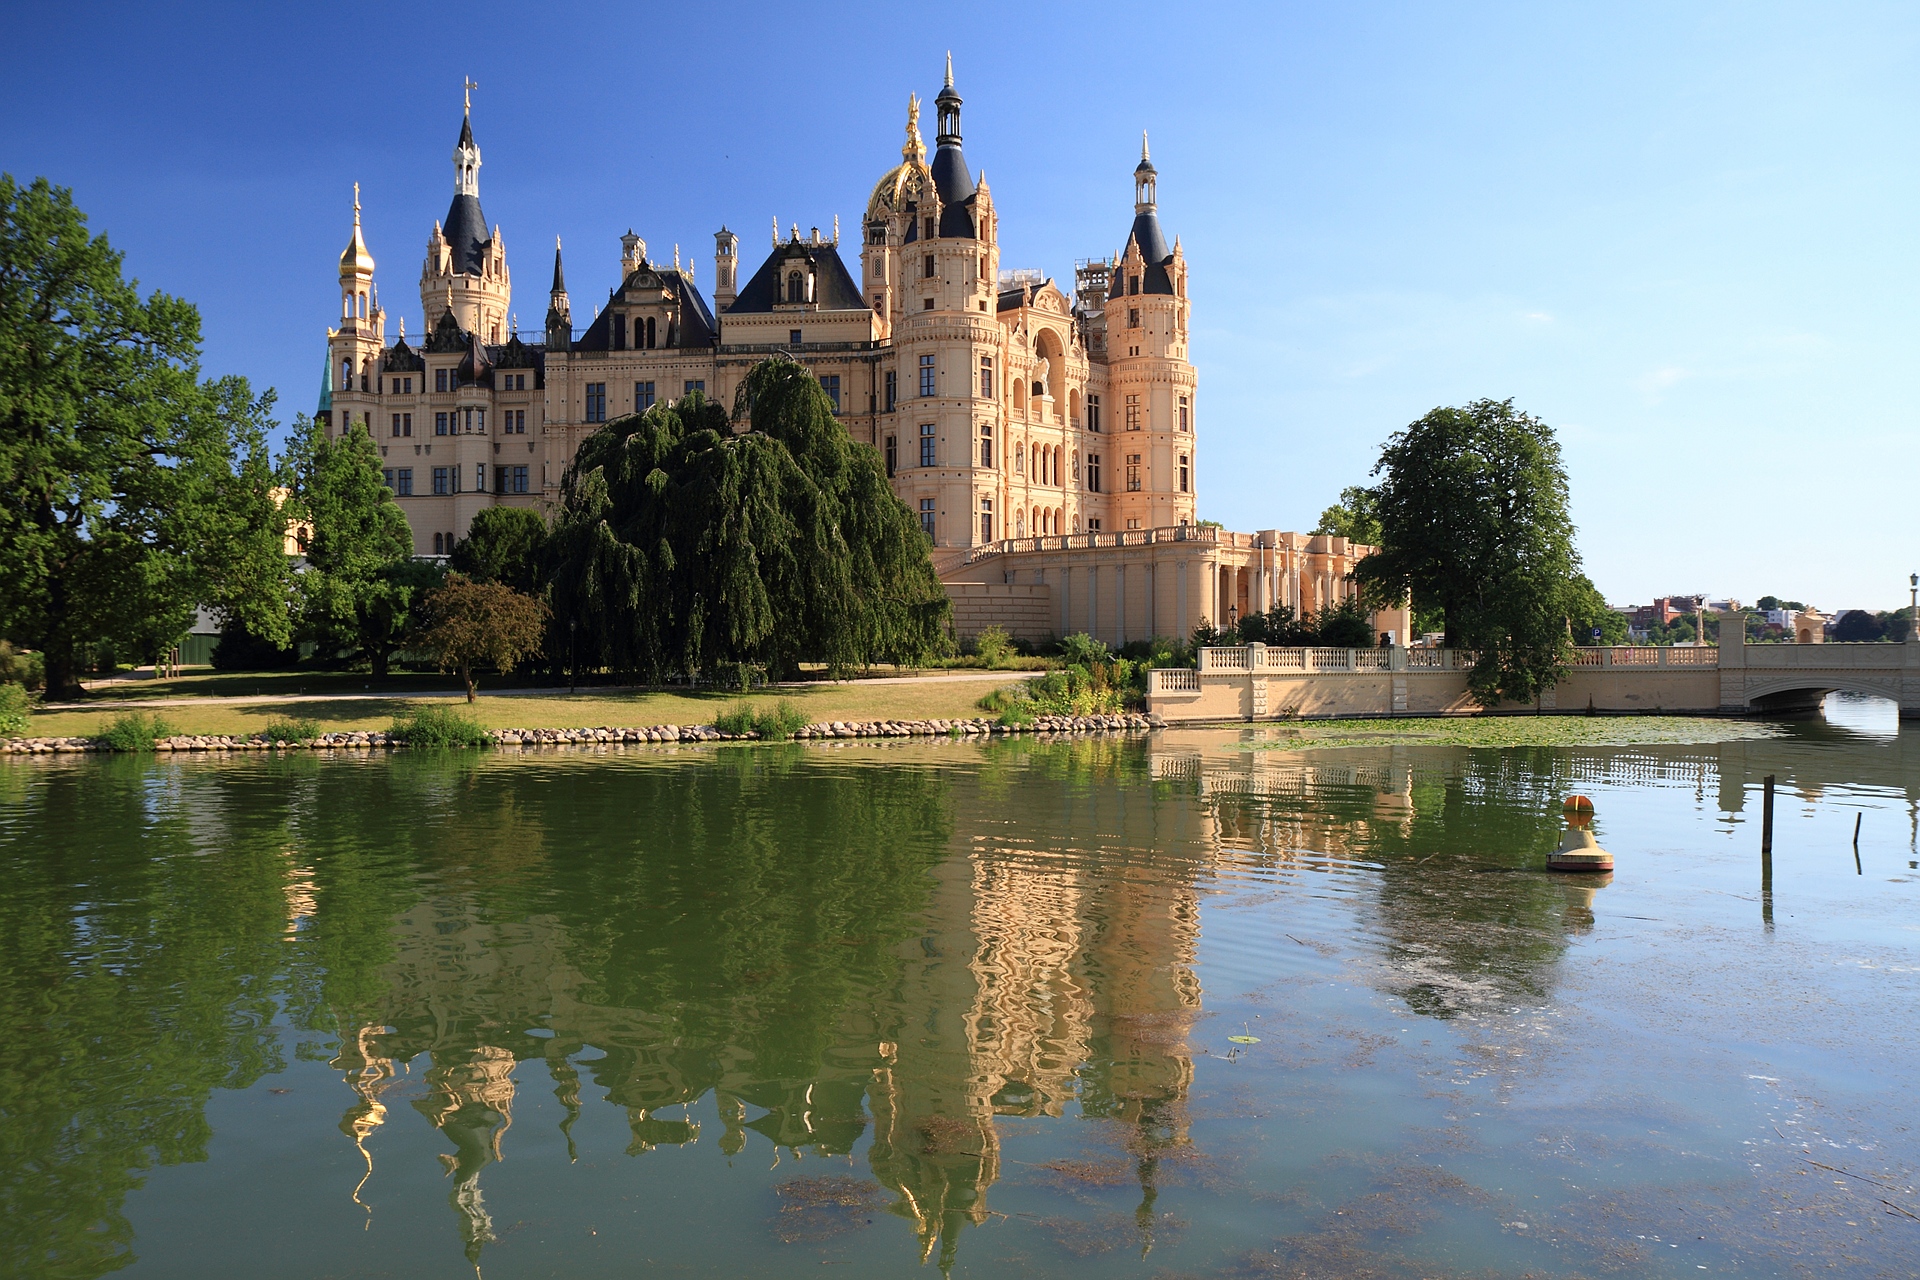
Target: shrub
1082	649
735	719
774	724
135	731
291	730
28	670
994	647
15	709
435	726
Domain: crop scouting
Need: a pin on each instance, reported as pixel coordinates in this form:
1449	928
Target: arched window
795	288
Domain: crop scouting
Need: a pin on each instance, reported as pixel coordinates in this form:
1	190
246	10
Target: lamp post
1913	606
573	656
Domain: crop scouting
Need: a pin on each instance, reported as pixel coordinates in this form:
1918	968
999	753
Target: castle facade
1034	432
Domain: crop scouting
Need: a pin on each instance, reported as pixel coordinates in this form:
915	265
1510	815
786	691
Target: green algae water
1157	1006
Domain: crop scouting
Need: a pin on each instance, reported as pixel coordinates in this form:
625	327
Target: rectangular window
519	484
439	379
926	517
480	421
1133	413
928	305
479	477
1133	524
893	455
596	402
1184	473
405	478
986	377
830	383
396	420
406	424
986	444
1093	526
1184	423
926	444
793	337
1133	286
386	477
1093	473
499	479
892	390
439	481
439	424
1133	473
929	267
986	519
1093	413
926	375
396	387
619	333
642	396
1133	317
695	384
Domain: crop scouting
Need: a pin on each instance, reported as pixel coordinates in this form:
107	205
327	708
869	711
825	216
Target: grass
135	731
855	700
438	726
1514	731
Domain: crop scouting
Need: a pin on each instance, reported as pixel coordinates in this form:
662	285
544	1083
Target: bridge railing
1322	660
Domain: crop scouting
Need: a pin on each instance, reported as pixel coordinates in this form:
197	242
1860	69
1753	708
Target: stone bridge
1255	682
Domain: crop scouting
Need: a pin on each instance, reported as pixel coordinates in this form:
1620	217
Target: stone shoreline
979	727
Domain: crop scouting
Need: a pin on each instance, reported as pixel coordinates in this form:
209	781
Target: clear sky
1681	233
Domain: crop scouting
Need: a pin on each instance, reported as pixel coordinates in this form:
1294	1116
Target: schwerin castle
1047	442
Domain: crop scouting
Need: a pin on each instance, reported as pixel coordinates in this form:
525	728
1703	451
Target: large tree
1472	505
1352	517
129	490
466	624
505	545
362	582
688	539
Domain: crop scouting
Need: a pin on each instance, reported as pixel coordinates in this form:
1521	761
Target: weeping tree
690	538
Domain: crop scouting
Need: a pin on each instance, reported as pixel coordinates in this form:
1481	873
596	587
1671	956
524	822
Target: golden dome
906	181
356	260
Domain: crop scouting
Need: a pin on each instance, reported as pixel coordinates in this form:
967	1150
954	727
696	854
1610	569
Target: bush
1081	649
135	731
438	727
774	724
15	709
993	647
292	730
28	670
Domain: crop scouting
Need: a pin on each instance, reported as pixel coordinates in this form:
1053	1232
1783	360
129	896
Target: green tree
1472	505
1587	609
1355	516
362	582
466	624
683	544
504	544
129	490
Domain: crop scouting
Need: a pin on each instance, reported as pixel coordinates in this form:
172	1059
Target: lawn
854	700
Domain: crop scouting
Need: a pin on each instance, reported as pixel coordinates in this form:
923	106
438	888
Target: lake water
1145	1007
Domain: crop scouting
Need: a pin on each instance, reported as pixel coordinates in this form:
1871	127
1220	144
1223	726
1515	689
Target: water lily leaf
1243	1039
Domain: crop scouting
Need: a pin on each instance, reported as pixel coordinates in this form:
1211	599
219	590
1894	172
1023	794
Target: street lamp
573	656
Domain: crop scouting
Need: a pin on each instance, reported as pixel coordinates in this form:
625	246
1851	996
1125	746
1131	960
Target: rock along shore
981	727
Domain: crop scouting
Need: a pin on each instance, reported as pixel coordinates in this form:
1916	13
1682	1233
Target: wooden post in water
1766	854
1766	817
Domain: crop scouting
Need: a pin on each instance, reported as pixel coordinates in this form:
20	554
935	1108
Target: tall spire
559	275
466	152
949	68
356	261
1144	157
948	103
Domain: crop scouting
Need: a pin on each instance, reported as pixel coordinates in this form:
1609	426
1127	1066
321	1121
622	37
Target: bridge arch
1804	690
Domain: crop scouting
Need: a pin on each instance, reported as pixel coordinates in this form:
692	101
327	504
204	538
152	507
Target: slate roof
834	289
466	232
697	328
1153	248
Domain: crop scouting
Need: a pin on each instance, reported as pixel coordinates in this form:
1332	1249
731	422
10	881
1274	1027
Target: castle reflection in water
1004	965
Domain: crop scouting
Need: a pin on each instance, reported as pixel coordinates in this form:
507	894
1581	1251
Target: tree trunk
62	675
378	655
466	678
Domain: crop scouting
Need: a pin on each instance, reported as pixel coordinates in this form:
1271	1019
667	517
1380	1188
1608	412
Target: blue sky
1682	234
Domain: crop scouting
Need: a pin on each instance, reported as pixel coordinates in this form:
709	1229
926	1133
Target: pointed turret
559	310
951	177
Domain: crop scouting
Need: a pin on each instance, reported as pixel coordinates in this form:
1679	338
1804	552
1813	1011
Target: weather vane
470	86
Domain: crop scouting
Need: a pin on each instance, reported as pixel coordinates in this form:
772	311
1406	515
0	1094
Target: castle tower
354	348
1150	381
726	266
466	265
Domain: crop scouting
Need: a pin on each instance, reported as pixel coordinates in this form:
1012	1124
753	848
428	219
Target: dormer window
796	288
929	227
1133	284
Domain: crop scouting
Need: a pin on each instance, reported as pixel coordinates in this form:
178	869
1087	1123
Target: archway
1047	345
